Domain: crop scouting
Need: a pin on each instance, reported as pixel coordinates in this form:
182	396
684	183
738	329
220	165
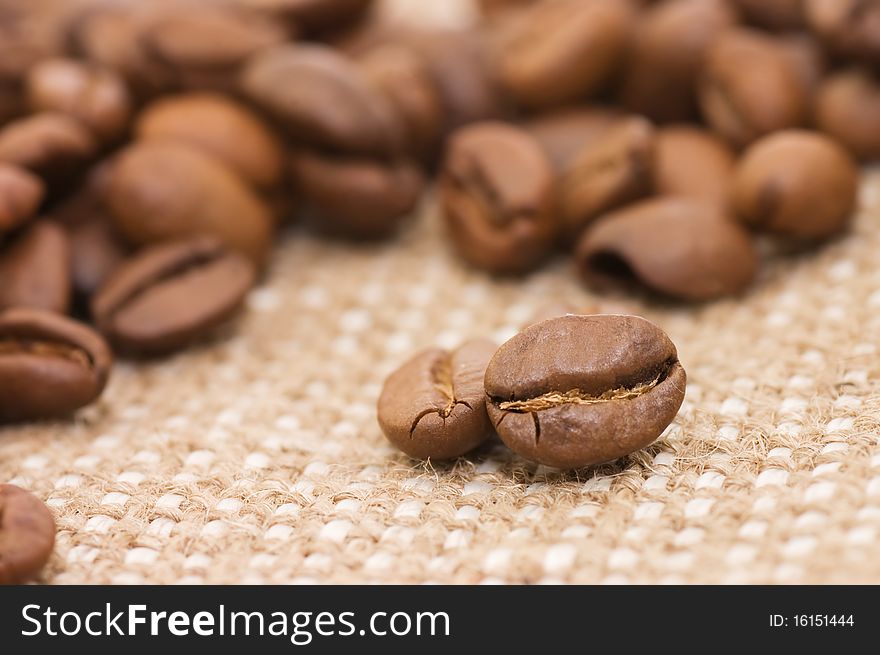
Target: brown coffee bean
681	247
96	251
160	190
311	15
849	28
751	86
615	170
50	366
434	406
808	58
667	53
96	97
169	295
691	161
775	15
52	145
796	184
580	390
847	107
321	99
565	132
21	193
559	51
360	198
35	269
27	535
220	127
497	196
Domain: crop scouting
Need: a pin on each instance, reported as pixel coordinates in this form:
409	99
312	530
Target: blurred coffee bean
849	28
21	193
497	196
808	57
796	184
311	16
692	161
222	128
565	132
773	15
50	365
562	50
684	248
666	56
169	295
52	145
35	269
359	198
614	170
159	190
27	535
751	87
321	99
97	98
96	251
847	108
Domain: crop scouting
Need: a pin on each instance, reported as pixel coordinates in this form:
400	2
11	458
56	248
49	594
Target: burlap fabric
257	458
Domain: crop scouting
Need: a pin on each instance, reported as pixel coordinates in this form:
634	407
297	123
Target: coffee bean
160	190
556	52
96	97
563	133
52	145
615	170
96	251
666	55
849	28
320	99
847	107
311	15
35	269
681	247
50	366
170	295
21	193
751	86
497	196
580	390
434	405
808	58
776	15
222	128
691	161
27	535
358	198
797	184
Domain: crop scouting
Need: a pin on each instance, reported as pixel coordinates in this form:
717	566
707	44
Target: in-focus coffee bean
497	194
35	269
27	535
434	405
169	295
580	390
21	193
50	365
681	247
847	107
692	161
796	184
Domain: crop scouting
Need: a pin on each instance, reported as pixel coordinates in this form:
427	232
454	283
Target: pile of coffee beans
150	151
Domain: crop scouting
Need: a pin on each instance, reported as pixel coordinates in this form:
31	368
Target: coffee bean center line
576	397
49	349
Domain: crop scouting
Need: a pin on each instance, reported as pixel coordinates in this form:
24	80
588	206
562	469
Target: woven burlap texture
257	458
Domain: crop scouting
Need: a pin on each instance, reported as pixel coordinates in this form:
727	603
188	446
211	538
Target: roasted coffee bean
667	53
27	534
775	15
808	58
681	247
360	198
751	86
96	251
50	366
21	193
161	190
847	107
434	406
850	28
691	161
563	133
96	97
320	99
611	172
580	390
52	145
35	269
497	197
562	50
220	127
172	294
796	184
311	15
